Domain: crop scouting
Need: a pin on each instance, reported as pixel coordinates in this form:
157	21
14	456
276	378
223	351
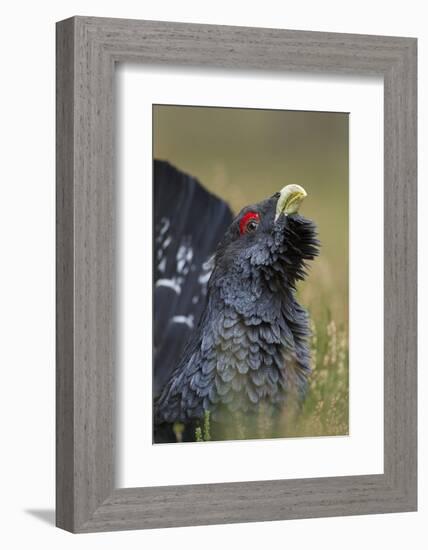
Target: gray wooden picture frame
87	50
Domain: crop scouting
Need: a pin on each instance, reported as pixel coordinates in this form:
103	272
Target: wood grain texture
87	50
64	277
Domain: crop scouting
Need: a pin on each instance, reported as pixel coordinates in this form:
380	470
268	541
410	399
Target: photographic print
202	336
250	264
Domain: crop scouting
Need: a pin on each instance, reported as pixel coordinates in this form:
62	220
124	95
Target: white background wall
27	272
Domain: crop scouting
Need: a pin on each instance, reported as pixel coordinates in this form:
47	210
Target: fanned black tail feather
189	222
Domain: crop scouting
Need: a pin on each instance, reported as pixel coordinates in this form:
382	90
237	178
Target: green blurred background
245	155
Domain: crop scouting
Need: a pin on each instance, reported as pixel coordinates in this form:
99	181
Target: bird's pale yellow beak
290	199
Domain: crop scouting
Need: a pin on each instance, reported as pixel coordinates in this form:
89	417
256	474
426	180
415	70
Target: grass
325	410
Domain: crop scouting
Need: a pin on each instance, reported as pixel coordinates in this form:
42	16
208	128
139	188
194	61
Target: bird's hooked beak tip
290	199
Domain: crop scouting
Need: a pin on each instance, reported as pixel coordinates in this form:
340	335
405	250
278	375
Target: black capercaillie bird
251	343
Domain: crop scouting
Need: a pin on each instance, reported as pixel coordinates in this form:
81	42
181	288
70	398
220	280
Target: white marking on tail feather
166	242
169	283
184	258
187	320
204	277
165	226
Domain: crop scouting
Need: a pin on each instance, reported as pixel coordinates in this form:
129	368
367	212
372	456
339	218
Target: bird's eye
252	226
249	222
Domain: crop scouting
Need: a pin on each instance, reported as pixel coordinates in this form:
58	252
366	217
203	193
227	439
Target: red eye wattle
249	222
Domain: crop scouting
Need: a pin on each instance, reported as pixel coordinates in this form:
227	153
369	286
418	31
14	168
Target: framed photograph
236	274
